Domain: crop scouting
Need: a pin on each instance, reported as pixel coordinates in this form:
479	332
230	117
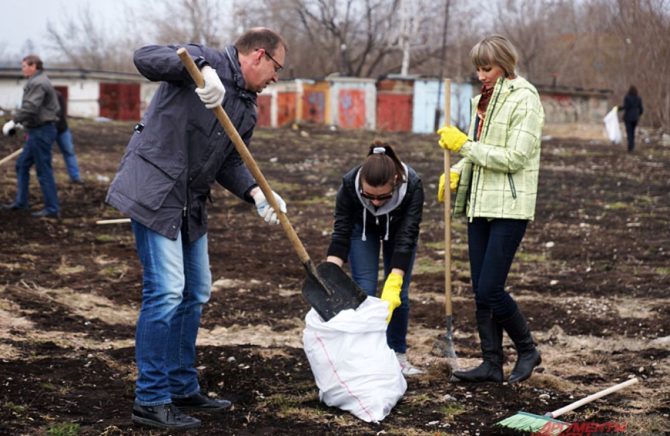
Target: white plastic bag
353	366
612	126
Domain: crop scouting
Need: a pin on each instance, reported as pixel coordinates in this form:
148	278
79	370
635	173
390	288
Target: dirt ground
592	276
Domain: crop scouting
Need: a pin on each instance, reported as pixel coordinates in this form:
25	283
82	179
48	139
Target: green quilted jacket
499	172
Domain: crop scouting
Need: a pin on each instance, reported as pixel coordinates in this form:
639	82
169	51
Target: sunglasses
376	197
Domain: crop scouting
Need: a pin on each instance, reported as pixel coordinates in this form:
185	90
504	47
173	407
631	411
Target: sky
27	19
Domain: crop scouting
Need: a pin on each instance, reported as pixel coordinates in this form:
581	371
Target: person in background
379	206
38	114
163	183
496	187
64	141
632	110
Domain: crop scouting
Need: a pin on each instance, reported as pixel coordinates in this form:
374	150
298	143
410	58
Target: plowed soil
592	276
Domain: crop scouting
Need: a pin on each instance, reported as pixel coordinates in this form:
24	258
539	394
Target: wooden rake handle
10	156
447	205
592	397
248	159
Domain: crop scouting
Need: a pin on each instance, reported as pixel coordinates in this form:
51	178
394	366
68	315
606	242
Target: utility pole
443	57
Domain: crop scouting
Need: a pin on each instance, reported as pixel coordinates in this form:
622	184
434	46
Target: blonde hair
495	50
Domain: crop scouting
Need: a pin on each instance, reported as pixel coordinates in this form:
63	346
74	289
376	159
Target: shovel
328	289
449	350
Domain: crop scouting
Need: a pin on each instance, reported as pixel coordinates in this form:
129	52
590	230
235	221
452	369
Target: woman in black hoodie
379	206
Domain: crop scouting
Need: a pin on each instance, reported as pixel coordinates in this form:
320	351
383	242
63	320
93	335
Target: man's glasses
380	197
278	66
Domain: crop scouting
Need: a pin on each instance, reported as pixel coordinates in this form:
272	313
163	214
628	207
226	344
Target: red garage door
120	101
394	112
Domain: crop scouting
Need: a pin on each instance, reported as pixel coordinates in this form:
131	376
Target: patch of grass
16	408
105	238
293	405
114	272
617	205
65	270
524	256
451	410
662	270
424	265
64	429
438	245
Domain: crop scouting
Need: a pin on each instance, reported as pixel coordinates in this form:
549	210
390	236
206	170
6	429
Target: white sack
612	126
354	368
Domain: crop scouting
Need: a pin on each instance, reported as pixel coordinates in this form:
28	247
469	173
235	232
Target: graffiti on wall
314	106
351	108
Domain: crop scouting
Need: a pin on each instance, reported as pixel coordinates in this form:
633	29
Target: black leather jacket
403	226
181	149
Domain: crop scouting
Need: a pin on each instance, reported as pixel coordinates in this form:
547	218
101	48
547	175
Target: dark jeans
630	133
492	245
37	151
364	263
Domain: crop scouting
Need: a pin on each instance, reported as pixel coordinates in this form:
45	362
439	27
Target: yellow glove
391	293
451	138
454	176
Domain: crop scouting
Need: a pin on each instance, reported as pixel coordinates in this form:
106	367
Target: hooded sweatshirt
396	220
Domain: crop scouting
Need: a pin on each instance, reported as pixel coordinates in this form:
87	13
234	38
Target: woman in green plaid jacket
496	186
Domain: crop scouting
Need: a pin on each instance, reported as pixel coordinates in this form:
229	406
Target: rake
547	424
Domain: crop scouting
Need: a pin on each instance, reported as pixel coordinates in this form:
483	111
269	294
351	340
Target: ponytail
382	165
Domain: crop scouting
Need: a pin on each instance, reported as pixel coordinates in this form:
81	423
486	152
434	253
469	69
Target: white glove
265	210
10	127
212	93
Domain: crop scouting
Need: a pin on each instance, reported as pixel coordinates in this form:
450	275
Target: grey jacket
180	149
39	104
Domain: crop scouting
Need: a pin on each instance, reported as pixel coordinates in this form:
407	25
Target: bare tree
84	42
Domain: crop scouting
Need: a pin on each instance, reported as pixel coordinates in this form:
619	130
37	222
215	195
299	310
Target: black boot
490	336
528	356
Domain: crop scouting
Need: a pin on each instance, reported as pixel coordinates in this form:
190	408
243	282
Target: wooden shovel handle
447	205
593	397
248	159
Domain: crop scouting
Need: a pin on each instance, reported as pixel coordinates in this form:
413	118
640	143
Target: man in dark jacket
632	110
38	114
176	153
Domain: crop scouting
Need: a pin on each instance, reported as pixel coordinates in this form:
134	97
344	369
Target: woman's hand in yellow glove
451	138
391	293
454	176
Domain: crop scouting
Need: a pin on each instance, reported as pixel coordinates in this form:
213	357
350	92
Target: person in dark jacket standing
38	114
632	110
379	205
64	141
176	153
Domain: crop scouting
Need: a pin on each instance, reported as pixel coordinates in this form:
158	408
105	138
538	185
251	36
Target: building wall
561	108
425	104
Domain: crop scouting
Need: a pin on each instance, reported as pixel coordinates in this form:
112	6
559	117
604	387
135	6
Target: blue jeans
176	284
492	245
64	141
37	151
364	264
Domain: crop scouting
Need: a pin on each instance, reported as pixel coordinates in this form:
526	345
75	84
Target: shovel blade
329	290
